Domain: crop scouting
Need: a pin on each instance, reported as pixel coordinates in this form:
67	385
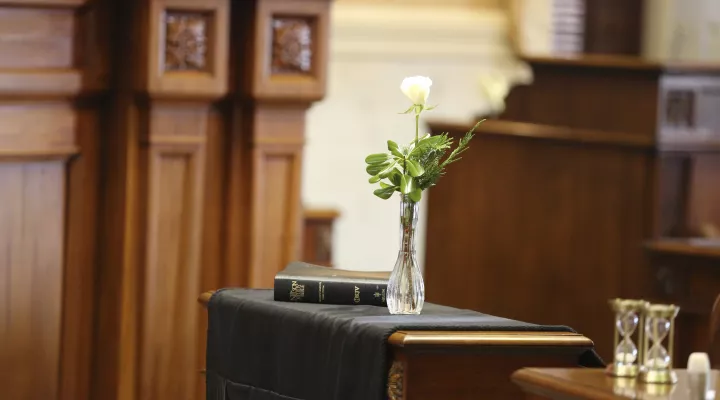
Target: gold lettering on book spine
395	381
297	291
356	298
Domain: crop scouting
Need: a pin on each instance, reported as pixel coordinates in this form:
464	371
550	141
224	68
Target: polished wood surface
430	365
691	247
559	195
149	150
594	384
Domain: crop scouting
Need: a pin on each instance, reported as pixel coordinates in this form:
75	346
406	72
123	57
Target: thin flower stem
417	127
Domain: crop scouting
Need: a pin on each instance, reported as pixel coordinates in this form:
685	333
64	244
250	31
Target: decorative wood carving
291	45
185	41
395	381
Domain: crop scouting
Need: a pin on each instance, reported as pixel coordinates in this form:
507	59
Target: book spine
343	293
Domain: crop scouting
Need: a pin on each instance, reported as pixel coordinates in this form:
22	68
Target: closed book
308	283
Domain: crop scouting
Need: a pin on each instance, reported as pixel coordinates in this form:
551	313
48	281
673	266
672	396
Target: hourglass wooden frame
622	368
659	374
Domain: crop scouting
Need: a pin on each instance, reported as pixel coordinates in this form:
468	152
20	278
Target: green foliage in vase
417	166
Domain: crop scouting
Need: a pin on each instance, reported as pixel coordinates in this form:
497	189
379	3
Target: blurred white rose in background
495	85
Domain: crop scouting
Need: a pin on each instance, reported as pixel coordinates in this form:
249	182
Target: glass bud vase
406	289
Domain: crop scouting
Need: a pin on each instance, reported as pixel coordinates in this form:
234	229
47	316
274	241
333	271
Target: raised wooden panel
31	274
21	133
169	366
36	38
173	239
275	230
703	204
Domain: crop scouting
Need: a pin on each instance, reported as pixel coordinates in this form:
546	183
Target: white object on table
699	373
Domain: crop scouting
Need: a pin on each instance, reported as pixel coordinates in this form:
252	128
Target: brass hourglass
628	316
657	361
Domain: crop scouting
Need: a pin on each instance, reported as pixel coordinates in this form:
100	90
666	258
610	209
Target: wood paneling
48	192
544	210
133	138
545	217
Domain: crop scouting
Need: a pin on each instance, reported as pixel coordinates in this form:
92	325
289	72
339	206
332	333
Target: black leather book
308	283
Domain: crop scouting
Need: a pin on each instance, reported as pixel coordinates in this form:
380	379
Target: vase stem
406	289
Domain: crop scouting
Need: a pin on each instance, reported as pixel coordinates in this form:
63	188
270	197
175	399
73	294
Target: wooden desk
462	365
586	384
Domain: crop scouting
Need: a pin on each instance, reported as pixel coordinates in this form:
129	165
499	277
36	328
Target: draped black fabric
261	349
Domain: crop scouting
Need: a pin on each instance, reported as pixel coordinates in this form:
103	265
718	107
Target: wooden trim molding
408	339
62	154
548	132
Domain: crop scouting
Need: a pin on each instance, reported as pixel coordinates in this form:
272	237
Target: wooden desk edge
535	382
204	298
476	338
490	338
682	247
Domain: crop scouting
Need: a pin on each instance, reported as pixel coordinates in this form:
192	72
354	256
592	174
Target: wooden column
52	80
201	175
272	93
172	75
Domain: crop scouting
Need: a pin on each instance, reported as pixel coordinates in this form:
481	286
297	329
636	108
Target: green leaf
416	194
394	149
385	185
374	169
385	193
414	168
412	107
377	158
394	176
374	179
386	171
407	184
430	142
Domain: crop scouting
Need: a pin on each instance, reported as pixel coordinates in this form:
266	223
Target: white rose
417	89
495	87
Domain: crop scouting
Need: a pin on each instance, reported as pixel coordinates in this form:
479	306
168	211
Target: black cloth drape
261	349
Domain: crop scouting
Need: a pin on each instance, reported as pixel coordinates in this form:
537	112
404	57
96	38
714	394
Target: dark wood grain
687	272
546	215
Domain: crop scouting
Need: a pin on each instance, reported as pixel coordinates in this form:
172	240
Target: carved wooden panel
291	45
290	54
187	49
186	41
